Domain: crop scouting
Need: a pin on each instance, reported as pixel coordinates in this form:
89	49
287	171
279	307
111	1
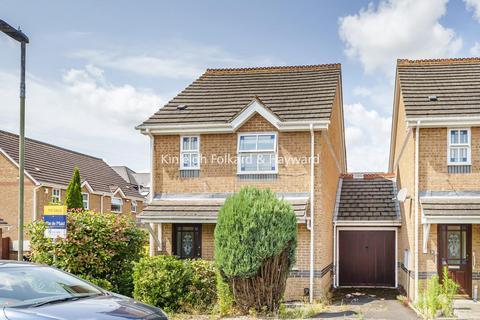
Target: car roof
13	263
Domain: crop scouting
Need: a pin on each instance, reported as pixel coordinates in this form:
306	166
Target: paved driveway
367	304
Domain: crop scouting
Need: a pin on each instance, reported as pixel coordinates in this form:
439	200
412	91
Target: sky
96	69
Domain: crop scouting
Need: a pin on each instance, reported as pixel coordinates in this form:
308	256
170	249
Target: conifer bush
255	241
73	196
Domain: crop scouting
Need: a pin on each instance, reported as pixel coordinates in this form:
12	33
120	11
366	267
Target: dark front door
187	241
366	258
454	252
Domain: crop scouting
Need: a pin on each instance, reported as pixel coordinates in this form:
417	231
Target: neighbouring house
366	221
48	170
274	120
140	179
435	156
3	225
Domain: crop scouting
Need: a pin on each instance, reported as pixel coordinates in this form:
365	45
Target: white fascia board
17	165
118	190
451	220
290	126
255	107
367	223
88	186
437	122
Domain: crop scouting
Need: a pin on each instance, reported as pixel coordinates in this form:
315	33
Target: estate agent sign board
56	219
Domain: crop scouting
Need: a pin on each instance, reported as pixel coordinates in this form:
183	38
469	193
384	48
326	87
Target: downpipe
312	215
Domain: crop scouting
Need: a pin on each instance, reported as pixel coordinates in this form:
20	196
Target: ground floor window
116	205
187	241
85	200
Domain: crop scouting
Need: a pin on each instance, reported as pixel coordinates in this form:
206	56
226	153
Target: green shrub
102	283
254	237
201	294
225	300
437	296
161	281
98	245
449	289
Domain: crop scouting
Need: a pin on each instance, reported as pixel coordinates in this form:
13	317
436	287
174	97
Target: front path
367	304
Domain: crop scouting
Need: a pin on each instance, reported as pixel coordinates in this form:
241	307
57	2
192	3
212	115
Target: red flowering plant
100	247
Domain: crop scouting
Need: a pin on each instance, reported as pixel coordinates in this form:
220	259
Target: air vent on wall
182	107
432	98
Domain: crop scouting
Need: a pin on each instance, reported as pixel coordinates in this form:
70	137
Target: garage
366	258
366	223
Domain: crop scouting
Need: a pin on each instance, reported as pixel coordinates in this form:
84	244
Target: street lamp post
23	39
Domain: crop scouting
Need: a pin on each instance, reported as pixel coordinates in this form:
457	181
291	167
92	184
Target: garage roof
367	197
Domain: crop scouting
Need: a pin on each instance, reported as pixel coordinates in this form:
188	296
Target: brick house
273	120
48	170
435	156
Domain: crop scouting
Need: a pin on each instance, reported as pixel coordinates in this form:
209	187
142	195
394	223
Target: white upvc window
190	152
85	199
257	153
459	151
116	204
133	206
56	195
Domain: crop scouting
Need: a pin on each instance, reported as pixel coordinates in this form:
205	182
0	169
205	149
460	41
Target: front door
187	243
454	252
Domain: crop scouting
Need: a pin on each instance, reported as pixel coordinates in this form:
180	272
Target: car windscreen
29	285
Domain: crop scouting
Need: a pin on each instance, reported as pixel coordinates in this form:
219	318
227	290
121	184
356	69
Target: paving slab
466	309
367	304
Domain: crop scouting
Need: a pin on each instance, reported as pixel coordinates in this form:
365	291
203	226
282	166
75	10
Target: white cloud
367	136
178	61
83	112
474	5
475	50
378	35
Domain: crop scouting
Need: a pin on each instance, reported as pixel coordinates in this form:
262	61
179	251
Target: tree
255	241
73	197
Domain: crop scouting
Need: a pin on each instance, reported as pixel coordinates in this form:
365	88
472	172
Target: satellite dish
402	195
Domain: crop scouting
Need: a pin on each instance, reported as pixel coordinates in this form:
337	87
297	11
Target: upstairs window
85	198
56	197
134	206
257	153
116	205
459	147
189	153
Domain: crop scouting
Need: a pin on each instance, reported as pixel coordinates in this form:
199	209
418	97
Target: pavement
367	304
466	309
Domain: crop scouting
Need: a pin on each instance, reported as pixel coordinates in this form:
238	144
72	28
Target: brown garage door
366	258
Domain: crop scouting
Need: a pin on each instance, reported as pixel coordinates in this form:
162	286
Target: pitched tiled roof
291	93
51	164
200	210
450	206
454	82
367	198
